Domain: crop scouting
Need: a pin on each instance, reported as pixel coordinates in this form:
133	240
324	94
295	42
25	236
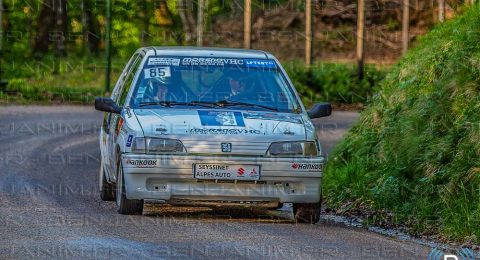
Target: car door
109	120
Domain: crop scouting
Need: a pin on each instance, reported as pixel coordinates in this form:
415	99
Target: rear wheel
307	212
107	190
126	206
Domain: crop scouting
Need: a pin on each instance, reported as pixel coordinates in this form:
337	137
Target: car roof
206	52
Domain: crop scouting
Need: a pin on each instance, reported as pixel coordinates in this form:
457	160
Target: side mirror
320	110
107	105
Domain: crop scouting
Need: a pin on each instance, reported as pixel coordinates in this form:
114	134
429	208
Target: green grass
79	80
72	80
415	152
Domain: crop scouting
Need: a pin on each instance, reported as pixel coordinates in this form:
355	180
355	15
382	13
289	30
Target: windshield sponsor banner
163	61
220	131
212	61
221	118
259	63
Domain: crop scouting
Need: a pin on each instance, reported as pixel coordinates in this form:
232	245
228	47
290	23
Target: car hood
210	127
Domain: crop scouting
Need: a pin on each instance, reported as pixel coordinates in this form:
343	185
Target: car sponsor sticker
211	61
306	166
221	118
226	147
273	116
163	61
260	63
226	171
224	131
157	72
141	163
129	140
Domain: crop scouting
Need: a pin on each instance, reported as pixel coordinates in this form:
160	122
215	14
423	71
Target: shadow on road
215	214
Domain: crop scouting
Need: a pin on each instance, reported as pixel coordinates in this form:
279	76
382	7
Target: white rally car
210	127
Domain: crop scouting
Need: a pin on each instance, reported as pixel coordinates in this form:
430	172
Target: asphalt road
50	206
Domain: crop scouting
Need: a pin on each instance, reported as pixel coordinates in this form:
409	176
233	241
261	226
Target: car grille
214	147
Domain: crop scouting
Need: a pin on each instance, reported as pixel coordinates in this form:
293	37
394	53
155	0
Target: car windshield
231	83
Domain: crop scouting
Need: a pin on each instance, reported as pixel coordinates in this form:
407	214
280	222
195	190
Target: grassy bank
52	80
414	157
78	80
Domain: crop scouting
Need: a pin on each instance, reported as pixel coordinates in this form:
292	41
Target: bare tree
200	16
308	33
360	37
247	25
441	10
184	8
405	25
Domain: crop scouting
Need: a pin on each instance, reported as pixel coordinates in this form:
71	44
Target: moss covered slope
416	149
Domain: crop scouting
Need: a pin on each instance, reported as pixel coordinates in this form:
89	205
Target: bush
333	82
415	151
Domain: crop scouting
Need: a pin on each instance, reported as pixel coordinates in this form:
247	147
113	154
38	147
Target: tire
107	190
307	212
126	206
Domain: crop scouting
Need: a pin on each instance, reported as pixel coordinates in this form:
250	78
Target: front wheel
307	212
126	206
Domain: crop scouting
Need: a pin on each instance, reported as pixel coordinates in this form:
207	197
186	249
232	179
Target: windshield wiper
175	103
226	103
221	103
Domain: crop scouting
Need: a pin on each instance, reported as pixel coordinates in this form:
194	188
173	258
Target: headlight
293	149
157	145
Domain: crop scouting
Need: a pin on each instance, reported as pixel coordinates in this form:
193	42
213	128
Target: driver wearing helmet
159	90
239	87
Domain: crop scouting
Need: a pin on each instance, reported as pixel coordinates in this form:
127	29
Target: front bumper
170	178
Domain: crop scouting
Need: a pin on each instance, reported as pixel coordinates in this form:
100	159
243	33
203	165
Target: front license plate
214	171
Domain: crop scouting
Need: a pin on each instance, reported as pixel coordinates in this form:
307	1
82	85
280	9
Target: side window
121	79
128	81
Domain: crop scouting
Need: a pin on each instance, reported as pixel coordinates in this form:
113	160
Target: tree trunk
405	24
61	27
308	33
1	41
5	22
441	10
182	12
146	22
247	24
45	23
92	33
360	37
84	27
190	18
200	24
